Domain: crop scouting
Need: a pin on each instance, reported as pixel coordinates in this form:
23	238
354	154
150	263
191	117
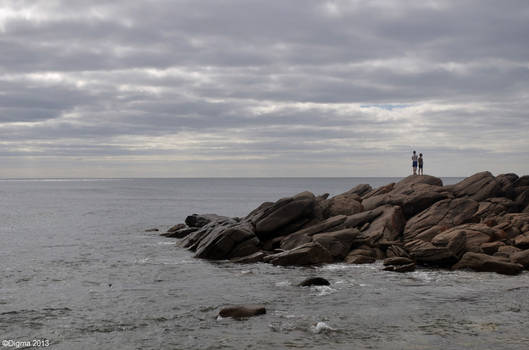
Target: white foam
283	284
321	327
324	290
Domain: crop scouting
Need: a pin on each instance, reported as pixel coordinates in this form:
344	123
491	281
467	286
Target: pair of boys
417	160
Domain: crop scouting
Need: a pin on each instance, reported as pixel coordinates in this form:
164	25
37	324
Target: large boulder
242	311
494	207
445	251
387	226
487	263
360	190
282	216
507	182
413	194
476	235
342	204
303	236
311	253
220	243
378	191
521	258
338	243
478	187
192	240
522	181
441	216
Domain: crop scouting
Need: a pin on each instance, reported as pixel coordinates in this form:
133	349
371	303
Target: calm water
78	268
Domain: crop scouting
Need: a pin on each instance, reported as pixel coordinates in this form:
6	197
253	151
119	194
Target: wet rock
478	187
486	263
271	221
399	264
441	216
311	253
179	231
152	230
521	258
314	281
200	220
220	243
338	243
359	259
192	240
242	311
250	259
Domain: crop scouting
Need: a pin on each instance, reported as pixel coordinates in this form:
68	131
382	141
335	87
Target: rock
199	220
359	259
507	182
364	250
494	207
441	216
478	187
521	200
250	259
343	204
284	212
506	251
360	219
192	240
179	233
177	228
388	226
521	258
446	253
522	241
314	281
378	191
401	268
487	263
244	248
242	311
398	261
514	224
490	248
360	190
476	235
399	264
311	253
220	243
305	235
338	243
152	230
396	251
413	194
522	181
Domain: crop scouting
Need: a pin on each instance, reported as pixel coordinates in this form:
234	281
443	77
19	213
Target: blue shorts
415	164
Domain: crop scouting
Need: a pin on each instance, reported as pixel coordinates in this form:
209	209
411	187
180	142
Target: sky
237	88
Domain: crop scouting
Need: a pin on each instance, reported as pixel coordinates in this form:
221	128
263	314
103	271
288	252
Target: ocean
79	271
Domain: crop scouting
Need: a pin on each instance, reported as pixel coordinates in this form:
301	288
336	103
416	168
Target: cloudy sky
199	88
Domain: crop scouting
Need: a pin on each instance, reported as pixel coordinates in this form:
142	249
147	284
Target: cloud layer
262	88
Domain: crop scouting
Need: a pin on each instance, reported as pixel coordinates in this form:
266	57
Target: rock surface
480	223
242	311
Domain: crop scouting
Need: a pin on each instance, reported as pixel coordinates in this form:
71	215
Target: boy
414	162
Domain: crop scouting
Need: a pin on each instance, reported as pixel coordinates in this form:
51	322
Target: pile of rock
481	223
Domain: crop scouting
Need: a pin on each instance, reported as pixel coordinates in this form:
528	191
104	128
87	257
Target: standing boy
421	172
414	162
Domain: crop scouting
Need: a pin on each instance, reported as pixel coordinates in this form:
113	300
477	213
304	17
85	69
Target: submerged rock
314	281
242	311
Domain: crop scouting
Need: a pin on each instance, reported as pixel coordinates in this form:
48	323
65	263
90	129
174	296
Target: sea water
78	271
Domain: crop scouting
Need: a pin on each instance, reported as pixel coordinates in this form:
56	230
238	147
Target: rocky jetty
480	223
